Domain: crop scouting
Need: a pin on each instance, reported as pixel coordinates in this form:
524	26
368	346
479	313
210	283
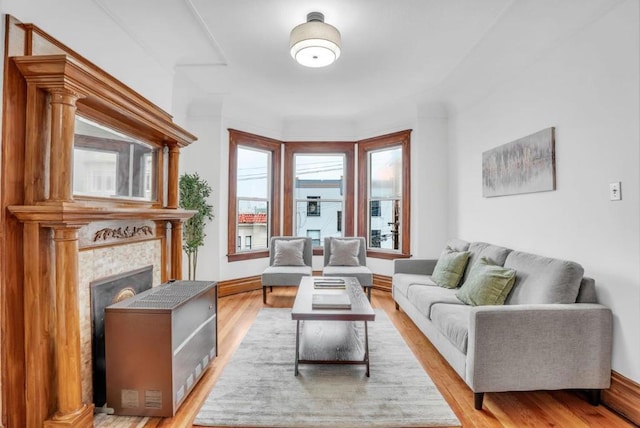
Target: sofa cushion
494	253
450	267
487	284
424	297
402	281
285	275
453	322
363	273
543	279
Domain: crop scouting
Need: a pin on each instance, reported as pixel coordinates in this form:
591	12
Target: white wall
202	158
319	129
588	88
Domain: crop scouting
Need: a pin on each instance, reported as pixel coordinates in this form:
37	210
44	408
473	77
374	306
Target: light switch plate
615	191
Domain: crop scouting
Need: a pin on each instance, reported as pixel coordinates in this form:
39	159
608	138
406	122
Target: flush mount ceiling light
314	43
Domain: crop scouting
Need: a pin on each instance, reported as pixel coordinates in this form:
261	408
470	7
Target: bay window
318	191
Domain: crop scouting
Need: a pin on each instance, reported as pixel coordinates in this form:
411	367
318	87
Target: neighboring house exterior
252	231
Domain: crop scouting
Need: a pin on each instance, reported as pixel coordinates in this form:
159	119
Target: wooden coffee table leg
297	345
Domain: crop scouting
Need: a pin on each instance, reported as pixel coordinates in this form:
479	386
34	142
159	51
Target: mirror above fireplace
110	164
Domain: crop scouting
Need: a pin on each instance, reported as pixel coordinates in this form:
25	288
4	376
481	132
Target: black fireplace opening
105	292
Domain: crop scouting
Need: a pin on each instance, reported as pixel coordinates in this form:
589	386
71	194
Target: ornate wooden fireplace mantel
46	85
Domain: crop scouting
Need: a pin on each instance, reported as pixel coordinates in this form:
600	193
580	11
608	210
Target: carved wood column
176	249
63	114
173	190
71	411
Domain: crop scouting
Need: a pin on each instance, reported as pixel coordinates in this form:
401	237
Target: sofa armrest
542	346
414	266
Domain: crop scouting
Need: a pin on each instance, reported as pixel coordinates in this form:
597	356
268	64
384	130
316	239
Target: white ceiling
444	50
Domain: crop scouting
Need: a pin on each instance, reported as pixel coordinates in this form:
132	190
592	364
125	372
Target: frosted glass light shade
315	44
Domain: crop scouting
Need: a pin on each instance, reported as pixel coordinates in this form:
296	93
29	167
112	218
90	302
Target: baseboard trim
382	282
250	283
239	285
623	397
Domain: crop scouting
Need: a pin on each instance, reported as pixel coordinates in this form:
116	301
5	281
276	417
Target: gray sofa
550	334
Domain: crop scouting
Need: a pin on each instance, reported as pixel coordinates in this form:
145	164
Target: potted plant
194	192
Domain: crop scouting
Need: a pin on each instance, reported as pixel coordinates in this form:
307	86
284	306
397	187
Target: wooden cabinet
158	343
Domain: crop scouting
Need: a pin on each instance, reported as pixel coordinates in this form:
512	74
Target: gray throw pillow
289	252
344	252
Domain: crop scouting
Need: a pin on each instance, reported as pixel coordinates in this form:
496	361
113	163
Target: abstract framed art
526	165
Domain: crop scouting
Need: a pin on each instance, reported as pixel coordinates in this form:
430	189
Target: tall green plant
194	192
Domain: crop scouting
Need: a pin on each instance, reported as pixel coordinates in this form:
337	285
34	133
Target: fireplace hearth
105	292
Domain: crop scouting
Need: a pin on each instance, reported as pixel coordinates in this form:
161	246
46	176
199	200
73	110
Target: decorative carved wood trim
120	233
103	93
73	213
623	397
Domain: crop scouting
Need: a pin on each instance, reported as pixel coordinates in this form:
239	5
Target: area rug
257	388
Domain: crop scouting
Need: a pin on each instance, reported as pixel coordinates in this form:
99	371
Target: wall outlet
615	191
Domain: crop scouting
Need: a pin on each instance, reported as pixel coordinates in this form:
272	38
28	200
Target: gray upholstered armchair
347	257
289	260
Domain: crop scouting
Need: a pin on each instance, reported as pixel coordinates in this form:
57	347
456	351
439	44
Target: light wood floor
518	409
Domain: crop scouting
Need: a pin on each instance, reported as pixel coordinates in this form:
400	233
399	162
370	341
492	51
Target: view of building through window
318	195
253	196
385	197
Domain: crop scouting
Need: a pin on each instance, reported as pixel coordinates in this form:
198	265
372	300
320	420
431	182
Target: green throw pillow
487	284
449	268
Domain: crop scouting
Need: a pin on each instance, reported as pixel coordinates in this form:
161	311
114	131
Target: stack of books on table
331	301
325	282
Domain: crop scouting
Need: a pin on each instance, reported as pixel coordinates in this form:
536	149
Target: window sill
386	255
236	257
